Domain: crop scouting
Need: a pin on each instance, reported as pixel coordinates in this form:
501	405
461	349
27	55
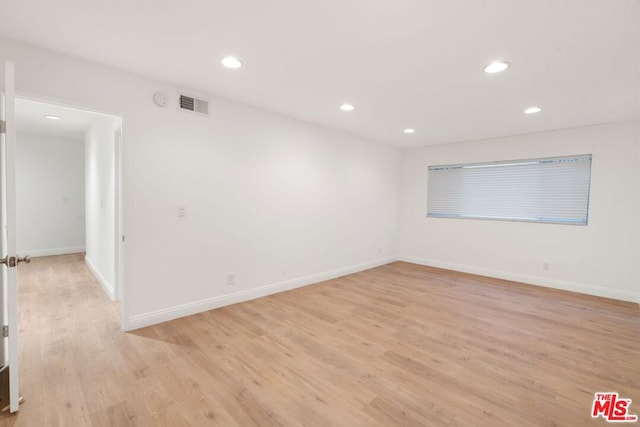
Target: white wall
601	258
49	195
100	196
278	202
282	203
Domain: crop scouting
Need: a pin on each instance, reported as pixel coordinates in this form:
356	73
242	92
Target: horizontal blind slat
546	190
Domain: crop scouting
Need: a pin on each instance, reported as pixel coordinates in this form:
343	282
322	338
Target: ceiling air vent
189	103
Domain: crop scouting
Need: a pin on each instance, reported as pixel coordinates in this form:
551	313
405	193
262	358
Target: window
553	190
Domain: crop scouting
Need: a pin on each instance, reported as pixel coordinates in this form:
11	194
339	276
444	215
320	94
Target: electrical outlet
182	211
231	279
546	266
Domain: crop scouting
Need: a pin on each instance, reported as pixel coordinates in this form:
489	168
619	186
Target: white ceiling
72	124
402	63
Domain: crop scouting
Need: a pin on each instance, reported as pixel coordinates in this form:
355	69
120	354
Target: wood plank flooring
398	345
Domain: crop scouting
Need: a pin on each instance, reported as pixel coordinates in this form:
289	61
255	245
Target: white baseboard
152	318
183	310
52	251
566	285
108	287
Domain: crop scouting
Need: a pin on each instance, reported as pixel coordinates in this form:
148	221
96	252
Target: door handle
11	261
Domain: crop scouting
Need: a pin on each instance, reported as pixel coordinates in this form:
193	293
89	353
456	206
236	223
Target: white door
8	257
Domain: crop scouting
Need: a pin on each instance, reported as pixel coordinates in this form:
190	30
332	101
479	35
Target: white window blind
554	190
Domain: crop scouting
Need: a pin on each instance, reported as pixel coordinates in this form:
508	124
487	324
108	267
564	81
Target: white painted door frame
119	217
8	220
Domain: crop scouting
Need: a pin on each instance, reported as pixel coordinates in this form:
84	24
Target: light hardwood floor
401	345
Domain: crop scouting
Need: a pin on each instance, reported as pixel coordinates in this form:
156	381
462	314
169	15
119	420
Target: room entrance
68	187
62	173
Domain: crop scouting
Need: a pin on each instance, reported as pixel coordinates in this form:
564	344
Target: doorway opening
69	188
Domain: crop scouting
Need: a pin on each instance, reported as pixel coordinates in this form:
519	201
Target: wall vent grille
189	103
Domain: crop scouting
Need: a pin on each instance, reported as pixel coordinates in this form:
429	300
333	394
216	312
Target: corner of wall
528	279
106	286
53	251
183	310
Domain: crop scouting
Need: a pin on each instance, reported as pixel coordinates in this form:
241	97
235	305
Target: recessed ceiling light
532	110
50	117
231	62
347	107
496	67
409	131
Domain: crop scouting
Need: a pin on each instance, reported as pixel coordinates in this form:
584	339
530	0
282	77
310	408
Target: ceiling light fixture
532	110
347	107
50	117
231	62
409	131
496	67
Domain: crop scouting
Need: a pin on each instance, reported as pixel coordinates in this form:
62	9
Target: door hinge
5	331
3	126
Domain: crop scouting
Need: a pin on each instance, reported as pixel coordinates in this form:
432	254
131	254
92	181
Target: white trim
117	238
154	317
52	251
9	191
108	288
547	282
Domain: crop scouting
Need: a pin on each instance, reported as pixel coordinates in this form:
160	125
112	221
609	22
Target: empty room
338	213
